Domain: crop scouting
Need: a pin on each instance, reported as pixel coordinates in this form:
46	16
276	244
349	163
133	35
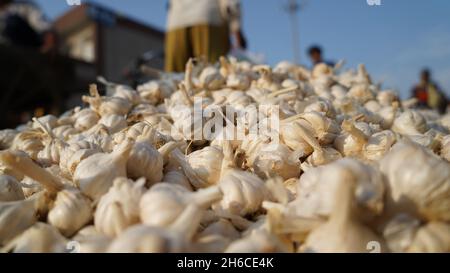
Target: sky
395	39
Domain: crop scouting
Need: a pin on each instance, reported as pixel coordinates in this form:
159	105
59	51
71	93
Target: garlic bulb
71	211
315	192
243	192
10	189
351	141
146	161
15	217
40	238
85	119
433	237
64	132
107	105
342	232
147	239
202	167
410	123
119	207
445	151
379	144
113	122
74	153
89	240
211	79
400	231
155	92
164	202
6	138
422	186
259	241
276	159
29	141
95	174
177	178
221	227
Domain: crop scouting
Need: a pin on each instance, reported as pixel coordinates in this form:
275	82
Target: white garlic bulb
64	132
259	241
410	122
113	122
164	202
6	138
40	238
155	91
211	79
276	159
445	151
148	239
243	192
95	174
432	238
379	144
422	186
107	105
29	142
119	207
202	167
15	217
10	189
71	211
85	119
177	178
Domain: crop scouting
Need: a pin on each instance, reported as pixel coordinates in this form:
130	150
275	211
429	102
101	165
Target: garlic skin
64	132
223	228
177	178
445	150
10	189
400	231
95	174
211	79
29	142
40	238
70	212
107	105
155	92
119	207
145	161
91	241
420	187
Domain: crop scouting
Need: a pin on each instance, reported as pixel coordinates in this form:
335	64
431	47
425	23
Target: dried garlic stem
25	165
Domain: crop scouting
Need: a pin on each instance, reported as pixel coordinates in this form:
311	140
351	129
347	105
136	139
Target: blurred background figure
428	93
201	29
22	23
316	57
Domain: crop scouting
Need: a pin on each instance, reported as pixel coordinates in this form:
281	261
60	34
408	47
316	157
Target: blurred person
201	29
428	93
22	23
315	54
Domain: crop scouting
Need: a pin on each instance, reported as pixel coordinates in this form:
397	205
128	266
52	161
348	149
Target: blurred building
109	41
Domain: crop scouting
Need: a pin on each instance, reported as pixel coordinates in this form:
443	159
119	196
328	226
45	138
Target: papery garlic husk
351	140
142	131
379	144
434	237
71	211
316	188
213	243
243	192
164	202
221	227
40	238
85	119
114	123
124	92
361	92
259	241
6	138
410	122
30	186
149	239
343	231
10	189
95	174
119	207
418	182
16	216
211	79
276	159
50	120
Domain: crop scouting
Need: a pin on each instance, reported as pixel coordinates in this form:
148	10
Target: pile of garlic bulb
353	169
